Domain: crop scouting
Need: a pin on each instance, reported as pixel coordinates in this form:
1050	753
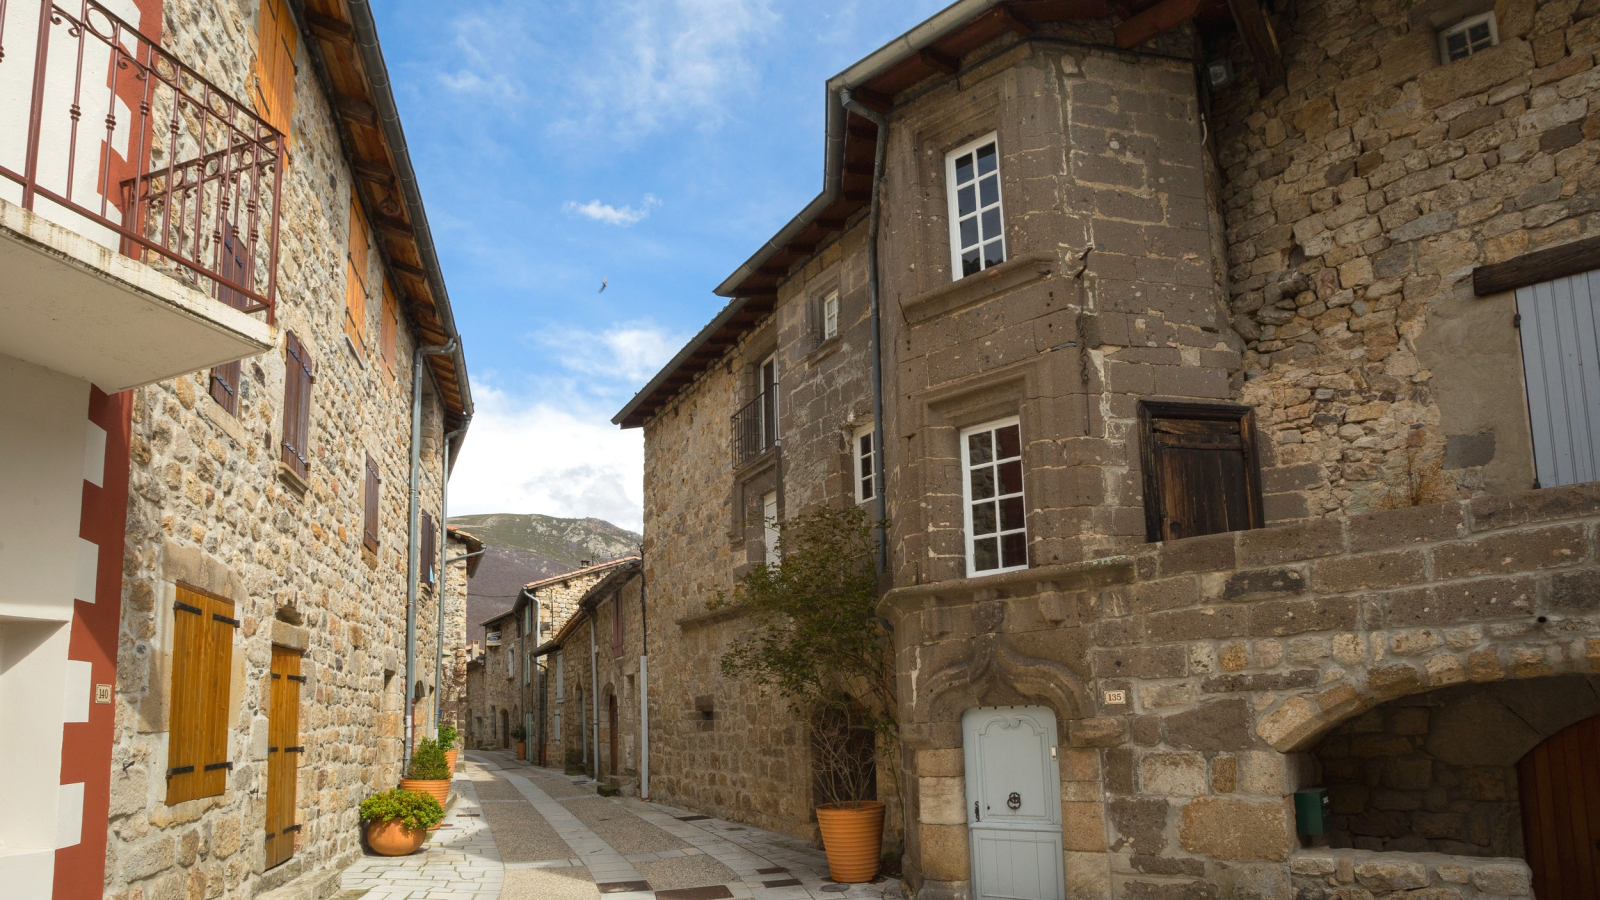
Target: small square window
830	315
1468	36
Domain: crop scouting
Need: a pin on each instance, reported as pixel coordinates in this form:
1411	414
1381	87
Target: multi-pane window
830	315
202	664
297	379
865	471
977	221
1468	36
991	485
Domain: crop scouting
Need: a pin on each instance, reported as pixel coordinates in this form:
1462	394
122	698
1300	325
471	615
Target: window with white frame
511	664
769	526
830	315
991	486
1468	36
977	221
862	451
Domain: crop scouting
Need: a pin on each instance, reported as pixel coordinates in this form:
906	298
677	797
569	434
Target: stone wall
1235	653
1358	200
210	507
454	706
498	691
1334	875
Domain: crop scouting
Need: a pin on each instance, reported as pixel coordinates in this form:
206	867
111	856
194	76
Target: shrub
448	735
518	733
411	809
428	762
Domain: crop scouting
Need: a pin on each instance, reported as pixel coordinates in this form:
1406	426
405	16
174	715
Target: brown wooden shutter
1201	473
297	380
225	386
202	667
369	527
430	549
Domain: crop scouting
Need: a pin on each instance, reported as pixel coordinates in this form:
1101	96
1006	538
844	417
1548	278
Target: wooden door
283	754
611	712
1560	785
1013	803
1201	473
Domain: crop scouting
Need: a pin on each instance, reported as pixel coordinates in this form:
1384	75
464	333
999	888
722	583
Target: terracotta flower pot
853	837
450	757
393	838
522	749
439	790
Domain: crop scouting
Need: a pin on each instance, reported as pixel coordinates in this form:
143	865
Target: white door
1013	803
1560	330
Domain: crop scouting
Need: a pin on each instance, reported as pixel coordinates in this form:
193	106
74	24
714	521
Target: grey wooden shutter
430	549
1560	329
297	379
369	526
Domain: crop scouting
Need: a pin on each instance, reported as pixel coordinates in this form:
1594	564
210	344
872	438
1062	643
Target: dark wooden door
283	754
1201	474
611	710
505	730
1560	785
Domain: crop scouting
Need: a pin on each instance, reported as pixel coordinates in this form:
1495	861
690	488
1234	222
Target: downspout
443	576
594	694
644	687
880	486
413	548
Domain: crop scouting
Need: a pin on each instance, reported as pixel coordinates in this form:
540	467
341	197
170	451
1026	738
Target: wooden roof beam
940	62
356	109
1158	19
1260	40
376	170
328	28
1014	20
392	225
876	101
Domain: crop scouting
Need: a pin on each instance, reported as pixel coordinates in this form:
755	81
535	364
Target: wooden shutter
355	285
372	494
276	40
1201	474
430	549
616	625
284	754
233	263
1559	783
390	327
225	386
297	379
202	668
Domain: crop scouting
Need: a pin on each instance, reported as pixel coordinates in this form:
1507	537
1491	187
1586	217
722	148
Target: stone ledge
317	884
1022	269
1073	576
1389	874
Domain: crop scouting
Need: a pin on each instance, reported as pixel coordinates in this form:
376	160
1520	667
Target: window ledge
1073	576
292	480
823	350
1022	269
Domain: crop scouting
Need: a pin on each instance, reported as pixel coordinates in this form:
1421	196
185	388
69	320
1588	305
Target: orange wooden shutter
390	326
284	754
276	40
202	662
355	286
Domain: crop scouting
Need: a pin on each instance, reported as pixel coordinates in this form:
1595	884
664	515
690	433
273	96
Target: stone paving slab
459	862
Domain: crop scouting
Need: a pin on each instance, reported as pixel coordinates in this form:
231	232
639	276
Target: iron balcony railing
755	429
104	132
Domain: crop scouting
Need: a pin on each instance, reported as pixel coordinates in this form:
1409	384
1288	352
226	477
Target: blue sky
652	144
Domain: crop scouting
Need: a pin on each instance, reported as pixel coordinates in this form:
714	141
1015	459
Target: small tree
816	639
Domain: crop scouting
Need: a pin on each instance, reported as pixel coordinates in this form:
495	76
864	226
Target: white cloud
623	356
526	453
612	215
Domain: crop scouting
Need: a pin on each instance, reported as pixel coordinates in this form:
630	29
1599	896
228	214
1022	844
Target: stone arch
996	673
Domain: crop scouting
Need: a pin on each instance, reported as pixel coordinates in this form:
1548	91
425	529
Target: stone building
1221	347
601	642
255	634
463	554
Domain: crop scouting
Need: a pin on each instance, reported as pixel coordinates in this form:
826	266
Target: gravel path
621	829
684	872
567	883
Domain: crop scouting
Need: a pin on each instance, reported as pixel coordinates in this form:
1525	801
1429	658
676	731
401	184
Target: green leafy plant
817	641
411	809
448	735
518	733
428	762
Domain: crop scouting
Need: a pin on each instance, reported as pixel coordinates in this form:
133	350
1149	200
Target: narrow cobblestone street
520	832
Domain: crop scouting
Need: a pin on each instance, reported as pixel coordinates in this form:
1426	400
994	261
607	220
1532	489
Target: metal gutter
377	71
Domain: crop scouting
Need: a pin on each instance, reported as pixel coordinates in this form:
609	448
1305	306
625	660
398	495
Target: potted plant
398	820
519	737
817	641
428	773
448	735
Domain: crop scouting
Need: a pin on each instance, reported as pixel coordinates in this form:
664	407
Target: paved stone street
520	832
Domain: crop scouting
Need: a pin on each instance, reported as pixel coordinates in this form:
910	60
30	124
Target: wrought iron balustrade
106	133
755	429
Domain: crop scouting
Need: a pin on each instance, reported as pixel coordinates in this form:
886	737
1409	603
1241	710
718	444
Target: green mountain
520	548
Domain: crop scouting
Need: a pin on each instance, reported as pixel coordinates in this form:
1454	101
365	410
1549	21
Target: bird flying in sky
603	283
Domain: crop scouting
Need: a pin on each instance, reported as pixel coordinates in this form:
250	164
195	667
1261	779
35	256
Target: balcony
755	428
139	203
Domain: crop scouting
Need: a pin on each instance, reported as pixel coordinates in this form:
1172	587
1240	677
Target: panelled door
1013	803
1559	781
283	754
1560	332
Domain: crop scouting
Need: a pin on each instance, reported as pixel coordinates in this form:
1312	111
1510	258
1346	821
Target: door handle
977	816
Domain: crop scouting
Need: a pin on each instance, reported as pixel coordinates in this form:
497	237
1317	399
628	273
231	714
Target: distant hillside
524	548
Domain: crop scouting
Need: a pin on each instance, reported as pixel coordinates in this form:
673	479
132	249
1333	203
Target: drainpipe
644	688
881	507
594	694
413	548
439	579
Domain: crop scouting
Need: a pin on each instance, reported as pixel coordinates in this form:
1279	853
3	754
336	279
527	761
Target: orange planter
522	749
853	837
439	790
394	838
450	757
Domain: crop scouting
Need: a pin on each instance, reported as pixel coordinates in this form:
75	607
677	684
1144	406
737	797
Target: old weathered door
1013	803
283	754
1560	785
1200	470
1560	331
